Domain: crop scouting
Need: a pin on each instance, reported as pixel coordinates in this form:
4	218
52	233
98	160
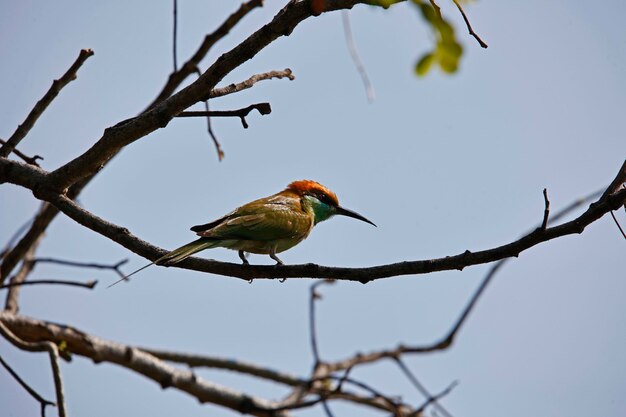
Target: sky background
440	164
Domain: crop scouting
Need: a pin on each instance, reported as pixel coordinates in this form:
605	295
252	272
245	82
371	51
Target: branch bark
42	105
128	131
39	182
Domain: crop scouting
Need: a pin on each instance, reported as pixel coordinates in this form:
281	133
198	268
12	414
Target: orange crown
311	187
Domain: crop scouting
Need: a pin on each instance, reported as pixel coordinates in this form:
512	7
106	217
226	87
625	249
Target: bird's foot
242	256
274	257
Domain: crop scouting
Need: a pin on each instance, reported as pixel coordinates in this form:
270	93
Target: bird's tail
185	251
175	256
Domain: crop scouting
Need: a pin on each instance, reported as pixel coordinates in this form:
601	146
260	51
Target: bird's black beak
345	212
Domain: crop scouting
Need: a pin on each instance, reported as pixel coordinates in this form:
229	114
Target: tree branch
40	107
178	76
263	109
469	26
130	130
38	181
42	401
244	85
40	346
32	160
89	284
448	340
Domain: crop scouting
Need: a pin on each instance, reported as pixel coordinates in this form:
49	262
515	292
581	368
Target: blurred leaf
424	64
447	52
383	3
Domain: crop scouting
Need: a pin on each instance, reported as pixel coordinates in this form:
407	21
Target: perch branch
447	341
40	107
36	180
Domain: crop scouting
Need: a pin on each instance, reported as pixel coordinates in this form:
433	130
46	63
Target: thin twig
27	387
314	295
101	350
113	267
347	32
175	35
469	27
618	225
11	304
447	341
434	399
40	107
235	88
89	284
546	211
53	352
421	388
31	160
263	108
178	76
19	232
326	408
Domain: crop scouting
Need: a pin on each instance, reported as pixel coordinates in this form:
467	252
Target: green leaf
383	3
424	64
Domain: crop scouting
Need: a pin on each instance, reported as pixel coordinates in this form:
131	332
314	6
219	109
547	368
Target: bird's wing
275	222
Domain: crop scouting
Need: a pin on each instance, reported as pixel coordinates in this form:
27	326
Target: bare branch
40	107
235	88
618	225
32	160
100	350
263	109
11	303
130	130
314	296
347	32
227	364
41	346
189	67
19	232
36	180
546	210
469	27
116	267
89	284
617	182
434	399
209	127
27	387
175	35
430	399
447	341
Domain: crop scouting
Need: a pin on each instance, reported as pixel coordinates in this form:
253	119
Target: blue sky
440	164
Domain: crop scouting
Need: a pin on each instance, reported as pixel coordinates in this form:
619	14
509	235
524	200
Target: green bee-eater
266	226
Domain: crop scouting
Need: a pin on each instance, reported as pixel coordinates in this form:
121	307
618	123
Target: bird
266	226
